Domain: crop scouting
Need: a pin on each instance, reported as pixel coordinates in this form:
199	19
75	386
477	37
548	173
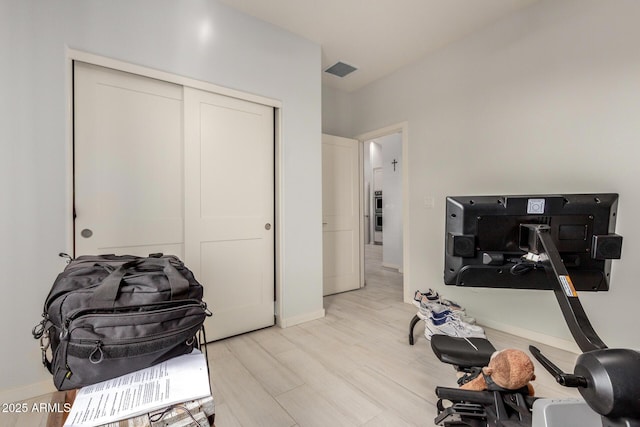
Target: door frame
403	129
78	55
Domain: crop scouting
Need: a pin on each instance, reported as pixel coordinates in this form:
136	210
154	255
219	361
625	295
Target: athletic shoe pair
433	296
430	301
429	296
449	323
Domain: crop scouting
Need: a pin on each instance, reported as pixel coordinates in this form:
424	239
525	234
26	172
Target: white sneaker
431	301
441	311
441	317
461	315
452	326
453	306
427	308
467	319
430	296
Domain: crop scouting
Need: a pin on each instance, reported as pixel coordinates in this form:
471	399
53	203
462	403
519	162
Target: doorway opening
384	207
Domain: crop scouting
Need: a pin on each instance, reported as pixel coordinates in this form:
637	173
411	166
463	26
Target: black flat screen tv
487	243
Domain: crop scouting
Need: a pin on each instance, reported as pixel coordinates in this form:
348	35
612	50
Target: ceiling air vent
340	69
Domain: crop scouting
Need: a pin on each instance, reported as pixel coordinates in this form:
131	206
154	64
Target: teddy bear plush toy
508	369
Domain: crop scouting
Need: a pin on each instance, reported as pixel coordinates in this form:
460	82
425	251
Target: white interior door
229	209
128	173
340	214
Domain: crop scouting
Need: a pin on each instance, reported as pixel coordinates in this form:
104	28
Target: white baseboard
556	342
296	320
392	266
27	391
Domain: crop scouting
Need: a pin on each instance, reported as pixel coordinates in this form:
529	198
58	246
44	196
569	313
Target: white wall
239	52
392	200
545	101
336	111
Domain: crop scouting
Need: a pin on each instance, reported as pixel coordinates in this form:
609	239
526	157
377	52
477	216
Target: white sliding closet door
229	209
159	167
128	167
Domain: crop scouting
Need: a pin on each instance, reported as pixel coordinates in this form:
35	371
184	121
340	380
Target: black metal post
577	320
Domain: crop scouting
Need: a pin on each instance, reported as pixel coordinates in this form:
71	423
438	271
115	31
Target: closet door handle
267	226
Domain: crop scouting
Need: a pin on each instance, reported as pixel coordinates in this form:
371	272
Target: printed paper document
177	380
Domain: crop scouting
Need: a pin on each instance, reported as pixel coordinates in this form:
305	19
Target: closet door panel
128	165
229	209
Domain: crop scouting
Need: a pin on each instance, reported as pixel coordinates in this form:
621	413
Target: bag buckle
39	329
45	343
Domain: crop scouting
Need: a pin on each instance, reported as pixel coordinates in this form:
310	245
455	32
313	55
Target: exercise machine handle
564	379
456	394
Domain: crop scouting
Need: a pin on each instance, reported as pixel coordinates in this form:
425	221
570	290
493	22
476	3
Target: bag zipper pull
65	255
92	356
64	333
207	312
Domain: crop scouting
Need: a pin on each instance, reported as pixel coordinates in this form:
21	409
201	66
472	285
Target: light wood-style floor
354	367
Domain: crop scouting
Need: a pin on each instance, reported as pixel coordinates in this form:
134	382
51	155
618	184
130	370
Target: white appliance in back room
377	234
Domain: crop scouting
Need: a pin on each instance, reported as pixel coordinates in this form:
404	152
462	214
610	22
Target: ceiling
377	36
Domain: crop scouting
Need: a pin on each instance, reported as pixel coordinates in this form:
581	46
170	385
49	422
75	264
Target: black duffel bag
110	315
